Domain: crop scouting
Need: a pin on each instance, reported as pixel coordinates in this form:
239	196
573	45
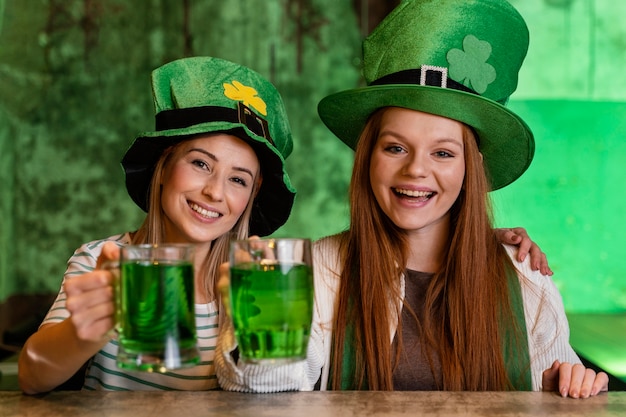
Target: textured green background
74	91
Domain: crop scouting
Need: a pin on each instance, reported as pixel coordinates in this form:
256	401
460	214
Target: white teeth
413	193
203	212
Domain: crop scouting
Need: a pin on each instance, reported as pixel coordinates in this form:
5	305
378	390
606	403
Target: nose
214	188
416	165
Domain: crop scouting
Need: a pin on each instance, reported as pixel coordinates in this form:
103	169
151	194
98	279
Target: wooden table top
309	404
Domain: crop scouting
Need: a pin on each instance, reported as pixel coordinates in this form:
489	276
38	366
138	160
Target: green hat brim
274	200
506	142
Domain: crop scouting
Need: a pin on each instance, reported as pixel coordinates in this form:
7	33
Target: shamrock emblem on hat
248	95
469	66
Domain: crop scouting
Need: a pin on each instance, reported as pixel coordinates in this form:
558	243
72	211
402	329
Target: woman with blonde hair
213	168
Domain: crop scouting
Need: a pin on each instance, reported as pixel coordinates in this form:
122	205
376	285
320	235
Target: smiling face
206	187
417	168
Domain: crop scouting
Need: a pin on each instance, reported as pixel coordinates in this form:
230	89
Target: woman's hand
223	281
91	298
56	351
519	237
575	381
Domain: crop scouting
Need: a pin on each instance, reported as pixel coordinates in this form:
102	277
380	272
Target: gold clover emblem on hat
248	95
469	66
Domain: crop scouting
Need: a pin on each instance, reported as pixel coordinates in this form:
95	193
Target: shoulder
523	268
327	251
88	253
96	245
534	284
327	259
328	243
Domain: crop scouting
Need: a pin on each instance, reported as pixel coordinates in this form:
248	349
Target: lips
414	194
208	214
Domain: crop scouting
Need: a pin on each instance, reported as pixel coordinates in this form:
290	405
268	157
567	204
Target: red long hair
470	291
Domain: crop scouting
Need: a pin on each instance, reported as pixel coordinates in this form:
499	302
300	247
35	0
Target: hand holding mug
156	308
271	298
91	298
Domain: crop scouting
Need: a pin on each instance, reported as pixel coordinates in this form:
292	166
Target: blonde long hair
466	295
152	230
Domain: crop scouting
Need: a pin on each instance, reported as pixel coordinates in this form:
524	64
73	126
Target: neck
427	247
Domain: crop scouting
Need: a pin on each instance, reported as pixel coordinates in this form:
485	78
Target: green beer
272	307
156	316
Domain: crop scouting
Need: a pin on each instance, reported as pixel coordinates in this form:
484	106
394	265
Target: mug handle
114	267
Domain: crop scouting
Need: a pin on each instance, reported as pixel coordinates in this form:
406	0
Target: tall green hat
454	58
200	95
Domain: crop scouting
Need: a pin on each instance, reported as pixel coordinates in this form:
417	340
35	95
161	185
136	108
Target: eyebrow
402	137
451	140
215	158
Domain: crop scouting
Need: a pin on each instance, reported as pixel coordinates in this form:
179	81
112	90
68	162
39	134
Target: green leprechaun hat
454	58
201	95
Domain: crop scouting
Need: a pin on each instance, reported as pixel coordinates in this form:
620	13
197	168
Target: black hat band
190	116
426	75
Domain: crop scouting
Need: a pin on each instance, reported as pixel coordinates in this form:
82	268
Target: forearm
302	376
51	356
262	378
243	377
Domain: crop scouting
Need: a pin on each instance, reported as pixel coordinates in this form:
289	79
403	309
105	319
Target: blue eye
394	149
444	154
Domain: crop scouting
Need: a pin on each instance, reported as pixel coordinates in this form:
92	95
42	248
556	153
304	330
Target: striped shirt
102	372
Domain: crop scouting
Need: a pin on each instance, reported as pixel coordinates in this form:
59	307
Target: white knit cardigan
546	323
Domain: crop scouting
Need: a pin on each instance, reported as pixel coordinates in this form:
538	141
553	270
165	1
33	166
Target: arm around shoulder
546	322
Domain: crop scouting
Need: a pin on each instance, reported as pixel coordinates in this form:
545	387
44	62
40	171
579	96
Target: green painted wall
571	199
74	92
